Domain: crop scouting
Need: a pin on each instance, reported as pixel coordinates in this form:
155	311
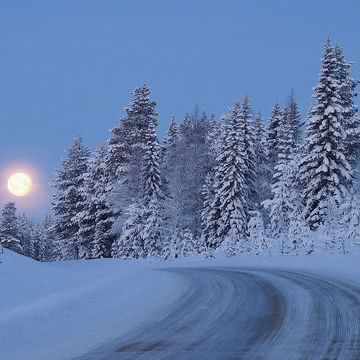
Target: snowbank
346	267
61	310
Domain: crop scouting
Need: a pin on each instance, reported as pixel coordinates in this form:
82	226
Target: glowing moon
19	184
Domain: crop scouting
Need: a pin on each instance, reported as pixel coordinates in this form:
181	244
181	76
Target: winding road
239	313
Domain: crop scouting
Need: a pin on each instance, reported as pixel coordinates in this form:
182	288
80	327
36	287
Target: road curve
237	313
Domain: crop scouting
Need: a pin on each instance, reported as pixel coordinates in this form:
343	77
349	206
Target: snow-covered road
247	313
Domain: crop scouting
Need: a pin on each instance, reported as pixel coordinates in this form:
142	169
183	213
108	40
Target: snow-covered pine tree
247	128
263	172
207	223
194	167
353	218
273	135
173	185
298	234
294	120
257	234
141	233
351	121
103	236
187	243
24	230
39	242
151	178
130	244
151	232
68	200
284	196
86	218
213	140
172	246
51	249
169	154
152	196
227	218
9	232
325	171
127	147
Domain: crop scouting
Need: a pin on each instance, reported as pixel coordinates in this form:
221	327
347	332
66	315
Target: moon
20	184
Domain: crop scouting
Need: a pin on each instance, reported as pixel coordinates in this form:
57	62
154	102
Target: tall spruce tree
325	171
294	121
141	232
173	186
126	153
284	200
194	167
86	218
227	217
68	199
250	157
263	172
153	242
351	121
103	236
273	135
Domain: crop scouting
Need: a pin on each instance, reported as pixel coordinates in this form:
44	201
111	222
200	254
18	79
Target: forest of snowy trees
236	184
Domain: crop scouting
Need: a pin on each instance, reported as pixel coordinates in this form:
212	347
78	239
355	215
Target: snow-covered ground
64	309
60	310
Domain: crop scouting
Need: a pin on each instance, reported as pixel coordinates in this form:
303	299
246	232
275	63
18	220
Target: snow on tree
86	217
247	128
147	210
24	226
285	197
151	179
39	242
151	231
152	195
273	135
194	167
300	241
127	145
96	218
130	244
263	177
172	245
101	212
351	121
333	232
173	185
325	171
188	243
213	140
294	121
352	214
68	199
9	233
227	217
208	224
257	234
50	249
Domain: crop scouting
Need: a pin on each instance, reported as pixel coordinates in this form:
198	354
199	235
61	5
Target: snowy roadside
61	310
337	266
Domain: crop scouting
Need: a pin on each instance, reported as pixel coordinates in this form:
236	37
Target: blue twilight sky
67	67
